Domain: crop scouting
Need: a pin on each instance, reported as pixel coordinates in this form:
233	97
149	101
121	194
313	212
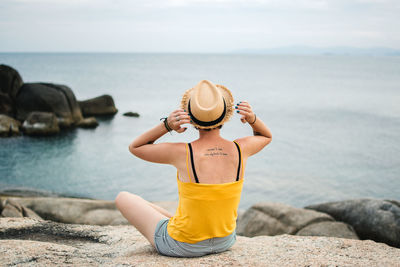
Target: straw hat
208	105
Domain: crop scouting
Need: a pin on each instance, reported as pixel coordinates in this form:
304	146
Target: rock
98	106
374	219
73	210
10	81
46	97
27	242
11	211
11	208
8	126
131	114
276	218
7	106
336	229
41	123
27	212
6	191
90	122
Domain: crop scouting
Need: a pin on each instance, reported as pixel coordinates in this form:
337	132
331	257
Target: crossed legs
141	213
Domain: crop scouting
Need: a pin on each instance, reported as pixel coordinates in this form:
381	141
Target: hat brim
229	101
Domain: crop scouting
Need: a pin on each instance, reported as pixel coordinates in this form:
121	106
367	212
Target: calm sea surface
335	122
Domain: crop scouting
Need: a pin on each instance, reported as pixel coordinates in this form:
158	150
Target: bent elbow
132	149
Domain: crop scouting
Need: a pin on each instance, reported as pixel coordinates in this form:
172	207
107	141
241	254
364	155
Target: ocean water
335	122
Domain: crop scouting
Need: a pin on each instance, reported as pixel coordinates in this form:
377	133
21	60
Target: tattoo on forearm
215	151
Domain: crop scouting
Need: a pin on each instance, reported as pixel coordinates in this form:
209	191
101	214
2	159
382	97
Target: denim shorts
168	246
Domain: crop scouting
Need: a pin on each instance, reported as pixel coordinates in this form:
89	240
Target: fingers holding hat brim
177	118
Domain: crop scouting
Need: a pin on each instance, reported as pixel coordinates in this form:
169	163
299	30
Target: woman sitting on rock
209	175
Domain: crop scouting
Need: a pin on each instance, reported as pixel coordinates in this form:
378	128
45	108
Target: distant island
310	50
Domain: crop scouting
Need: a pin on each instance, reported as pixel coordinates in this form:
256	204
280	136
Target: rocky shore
37	231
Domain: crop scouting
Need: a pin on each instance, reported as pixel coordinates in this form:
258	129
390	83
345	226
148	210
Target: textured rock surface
374	219
27	242
336	229
47	97
41	123
8	126
98	106
275	218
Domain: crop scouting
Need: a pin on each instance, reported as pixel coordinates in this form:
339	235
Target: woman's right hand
177	118
244	109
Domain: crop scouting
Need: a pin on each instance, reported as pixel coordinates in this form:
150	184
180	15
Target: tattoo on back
215	151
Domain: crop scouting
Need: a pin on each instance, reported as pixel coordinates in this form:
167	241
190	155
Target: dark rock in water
98	106
7	105
41	123
336	229
10	81
8	126
47	97
90	122
374	219
276	218
131	114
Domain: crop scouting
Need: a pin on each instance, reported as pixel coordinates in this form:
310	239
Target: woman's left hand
176	119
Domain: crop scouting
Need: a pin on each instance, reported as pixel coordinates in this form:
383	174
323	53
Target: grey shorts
168	246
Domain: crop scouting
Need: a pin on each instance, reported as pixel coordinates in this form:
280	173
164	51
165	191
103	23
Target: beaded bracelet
165	120
255	118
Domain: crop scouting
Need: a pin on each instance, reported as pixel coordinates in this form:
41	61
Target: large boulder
10	81
336	229
275	218
41	123
46	97
98	106
8	126
74	210
10	208
7	105
80	211
27	242
374	219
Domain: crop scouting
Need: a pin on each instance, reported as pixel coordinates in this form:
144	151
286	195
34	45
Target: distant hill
308	50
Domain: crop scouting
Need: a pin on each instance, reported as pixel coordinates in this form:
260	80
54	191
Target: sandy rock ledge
28	242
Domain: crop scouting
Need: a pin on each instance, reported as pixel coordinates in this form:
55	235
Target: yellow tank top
205	210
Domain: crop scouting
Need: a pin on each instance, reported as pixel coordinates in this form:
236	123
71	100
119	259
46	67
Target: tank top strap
187	162
192	161
240	161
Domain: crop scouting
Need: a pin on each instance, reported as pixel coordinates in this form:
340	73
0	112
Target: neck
213	134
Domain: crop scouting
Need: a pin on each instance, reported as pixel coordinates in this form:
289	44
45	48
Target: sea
335	121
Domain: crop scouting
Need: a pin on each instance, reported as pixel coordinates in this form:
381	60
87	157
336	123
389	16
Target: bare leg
161	210
139	213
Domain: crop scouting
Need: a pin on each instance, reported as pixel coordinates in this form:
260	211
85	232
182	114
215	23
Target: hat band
207	123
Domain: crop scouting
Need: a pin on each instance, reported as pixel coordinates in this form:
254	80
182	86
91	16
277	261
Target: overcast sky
195	25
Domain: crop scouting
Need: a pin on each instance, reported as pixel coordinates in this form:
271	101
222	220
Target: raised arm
261	134
143	146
